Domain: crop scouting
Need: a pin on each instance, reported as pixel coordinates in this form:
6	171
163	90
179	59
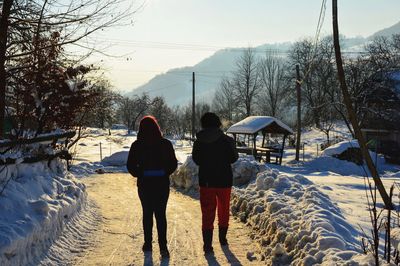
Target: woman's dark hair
149	130
210	120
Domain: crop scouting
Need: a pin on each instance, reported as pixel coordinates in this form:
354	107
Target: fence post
101	154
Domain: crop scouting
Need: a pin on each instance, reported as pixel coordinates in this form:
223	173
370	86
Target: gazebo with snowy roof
251	126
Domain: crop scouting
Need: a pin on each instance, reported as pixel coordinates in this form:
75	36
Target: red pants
210	199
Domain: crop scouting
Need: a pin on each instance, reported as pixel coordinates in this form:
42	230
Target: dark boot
222	236
164	253
164	250
207	240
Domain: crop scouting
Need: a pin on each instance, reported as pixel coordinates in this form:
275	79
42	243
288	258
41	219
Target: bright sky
175	33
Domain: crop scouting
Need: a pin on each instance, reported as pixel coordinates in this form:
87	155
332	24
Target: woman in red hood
152	160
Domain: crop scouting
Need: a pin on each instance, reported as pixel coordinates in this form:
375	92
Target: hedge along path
119	238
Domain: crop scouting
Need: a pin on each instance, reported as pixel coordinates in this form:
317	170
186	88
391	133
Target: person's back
152	159
214	152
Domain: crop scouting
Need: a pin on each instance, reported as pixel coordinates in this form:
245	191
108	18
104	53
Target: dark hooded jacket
214	152
151	158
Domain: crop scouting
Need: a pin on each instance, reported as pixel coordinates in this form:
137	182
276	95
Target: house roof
254	124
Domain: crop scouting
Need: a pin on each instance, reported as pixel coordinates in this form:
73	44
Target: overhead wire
320	23
163	88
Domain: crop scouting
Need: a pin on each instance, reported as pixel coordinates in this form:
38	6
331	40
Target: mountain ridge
176	87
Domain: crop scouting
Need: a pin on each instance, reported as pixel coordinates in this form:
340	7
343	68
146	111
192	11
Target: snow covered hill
387	32
175	85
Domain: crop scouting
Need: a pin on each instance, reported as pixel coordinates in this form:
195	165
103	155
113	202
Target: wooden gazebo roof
253	124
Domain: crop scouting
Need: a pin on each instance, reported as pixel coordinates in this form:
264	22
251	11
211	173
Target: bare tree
34	28
318	74
201	109
177	124
371	85
131	109
274	85
103	112
225	101
160	110
4	26
246	81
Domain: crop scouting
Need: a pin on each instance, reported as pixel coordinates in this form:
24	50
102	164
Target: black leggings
154	201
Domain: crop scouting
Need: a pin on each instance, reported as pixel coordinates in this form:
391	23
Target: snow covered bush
293	221
35	205
244	169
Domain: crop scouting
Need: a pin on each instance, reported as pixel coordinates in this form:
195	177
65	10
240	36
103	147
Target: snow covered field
300	212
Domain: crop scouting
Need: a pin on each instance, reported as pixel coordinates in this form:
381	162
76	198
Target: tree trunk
352	115
3	47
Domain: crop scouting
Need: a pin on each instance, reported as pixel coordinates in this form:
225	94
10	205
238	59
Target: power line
163	88
182	47
321	19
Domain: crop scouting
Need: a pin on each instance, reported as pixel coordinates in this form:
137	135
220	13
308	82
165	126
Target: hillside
176	87
395	29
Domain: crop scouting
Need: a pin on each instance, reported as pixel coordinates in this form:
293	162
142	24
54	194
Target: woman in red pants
152	159
214	152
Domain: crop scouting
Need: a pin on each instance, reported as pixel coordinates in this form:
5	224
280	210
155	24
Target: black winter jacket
214	152
151	162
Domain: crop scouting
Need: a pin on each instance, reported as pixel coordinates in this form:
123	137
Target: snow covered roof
253	124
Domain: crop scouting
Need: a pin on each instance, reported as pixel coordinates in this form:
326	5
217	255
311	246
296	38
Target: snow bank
340	147
34	207
395	238
115	163
116	159
294	222
244	169
329	160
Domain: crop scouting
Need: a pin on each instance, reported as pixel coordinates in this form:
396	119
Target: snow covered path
119	238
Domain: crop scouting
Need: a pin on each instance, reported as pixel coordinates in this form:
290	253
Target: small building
250	127
381	123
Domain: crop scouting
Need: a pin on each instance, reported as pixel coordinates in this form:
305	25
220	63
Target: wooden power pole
352	114
193	107
298	91
5	14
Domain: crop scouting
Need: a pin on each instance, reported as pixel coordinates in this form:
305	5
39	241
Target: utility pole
193	107
352	114
298	90
5	14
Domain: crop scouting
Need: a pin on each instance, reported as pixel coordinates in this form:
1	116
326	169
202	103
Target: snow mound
116	159
186	176
294	222
340	147
244	169
35	205
343	146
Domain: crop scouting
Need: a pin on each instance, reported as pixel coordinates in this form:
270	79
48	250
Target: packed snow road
119	238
